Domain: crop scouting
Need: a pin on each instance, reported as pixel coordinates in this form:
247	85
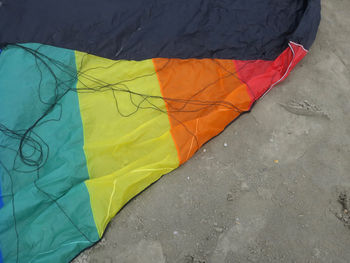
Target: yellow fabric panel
127	148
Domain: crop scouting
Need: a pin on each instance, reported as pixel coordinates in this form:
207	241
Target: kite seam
52	250
189	151
285	74
109	205
299	45
168	112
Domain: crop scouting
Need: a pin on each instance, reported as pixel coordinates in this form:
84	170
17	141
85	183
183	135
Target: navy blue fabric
141	29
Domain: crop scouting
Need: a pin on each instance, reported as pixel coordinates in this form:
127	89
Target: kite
99	99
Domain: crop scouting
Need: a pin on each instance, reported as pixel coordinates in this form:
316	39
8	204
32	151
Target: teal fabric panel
46	214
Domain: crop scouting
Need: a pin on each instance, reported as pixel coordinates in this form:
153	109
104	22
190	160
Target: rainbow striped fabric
117	127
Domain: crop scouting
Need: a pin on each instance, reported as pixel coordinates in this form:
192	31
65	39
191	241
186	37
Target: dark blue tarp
141	29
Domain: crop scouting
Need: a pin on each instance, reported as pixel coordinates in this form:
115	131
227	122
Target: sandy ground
273	187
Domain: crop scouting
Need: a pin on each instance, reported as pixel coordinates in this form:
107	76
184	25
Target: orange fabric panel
202	97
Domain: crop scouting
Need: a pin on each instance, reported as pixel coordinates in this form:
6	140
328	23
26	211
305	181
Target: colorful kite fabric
99	99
